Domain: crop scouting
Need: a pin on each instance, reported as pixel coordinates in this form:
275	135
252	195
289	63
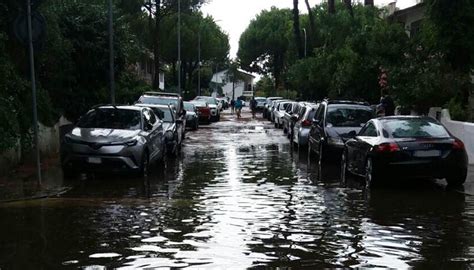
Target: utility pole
33	90
111	55
179	47
305	42
199	61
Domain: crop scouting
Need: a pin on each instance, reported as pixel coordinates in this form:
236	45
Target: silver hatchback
112	139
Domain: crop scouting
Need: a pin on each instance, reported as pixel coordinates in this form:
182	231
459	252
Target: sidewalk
22	184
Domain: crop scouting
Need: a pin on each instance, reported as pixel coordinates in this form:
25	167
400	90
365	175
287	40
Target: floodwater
239	197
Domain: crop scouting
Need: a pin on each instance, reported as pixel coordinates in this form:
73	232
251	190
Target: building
244	86
145	70
411	18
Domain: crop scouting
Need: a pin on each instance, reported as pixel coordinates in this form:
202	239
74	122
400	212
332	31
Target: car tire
457	179
371	178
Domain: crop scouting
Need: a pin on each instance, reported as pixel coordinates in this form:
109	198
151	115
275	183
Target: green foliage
457	110
265	87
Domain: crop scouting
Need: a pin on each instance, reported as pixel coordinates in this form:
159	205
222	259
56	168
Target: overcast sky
234	15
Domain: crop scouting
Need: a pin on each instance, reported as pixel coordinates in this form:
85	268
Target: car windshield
158	100
164	114
189	107
414	128
112	119
348	116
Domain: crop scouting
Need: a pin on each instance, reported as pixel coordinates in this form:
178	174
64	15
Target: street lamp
305	42
179	47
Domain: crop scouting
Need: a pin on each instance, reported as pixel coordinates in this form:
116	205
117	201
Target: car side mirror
316	122
148	126
352	134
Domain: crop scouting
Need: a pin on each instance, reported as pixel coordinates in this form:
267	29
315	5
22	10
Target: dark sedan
192	118
405	146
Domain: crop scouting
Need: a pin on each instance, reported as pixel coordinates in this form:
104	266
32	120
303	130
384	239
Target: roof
162	94
404	11
123	107
159	106
404	117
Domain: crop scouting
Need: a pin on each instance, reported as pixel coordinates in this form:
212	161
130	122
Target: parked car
275	104
171	126
279	112
302	124
112	139
268	104
214	105
203	111
405	146
175	100
224	103
333	123
260	103
290	110
192	118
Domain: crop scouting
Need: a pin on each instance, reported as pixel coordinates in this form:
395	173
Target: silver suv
112	139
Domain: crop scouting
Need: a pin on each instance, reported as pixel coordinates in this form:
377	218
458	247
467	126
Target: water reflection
239	197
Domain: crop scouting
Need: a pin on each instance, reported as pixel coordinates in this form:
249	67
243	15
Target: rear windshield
164	114
414	128
209	100
348	116
158	100
189	107
111	119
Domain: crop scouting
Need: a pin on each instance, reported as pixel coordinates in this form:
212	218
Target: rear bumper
436	168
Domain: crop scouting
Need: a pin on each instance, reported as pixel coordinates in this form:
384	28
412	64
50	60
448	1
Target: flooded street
240	197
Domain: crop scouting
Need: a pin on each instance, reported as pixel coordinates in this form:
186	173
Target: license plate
427	153
94	160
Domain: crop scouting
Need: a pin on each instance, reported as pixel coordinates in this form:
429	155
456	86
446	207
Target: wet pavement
240	197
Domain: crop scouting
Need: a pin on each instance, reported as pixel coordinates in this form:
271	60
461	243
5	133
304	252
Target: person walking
253	107
232	106
238	107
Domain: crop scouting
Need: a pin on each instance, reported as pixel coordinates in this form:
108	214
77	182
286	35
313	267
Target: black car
175	100
333	123
405	146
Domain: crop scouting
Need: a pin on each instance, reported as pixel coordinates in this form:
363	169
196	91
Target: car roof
123	107
404	117
162	94
348	102
153	106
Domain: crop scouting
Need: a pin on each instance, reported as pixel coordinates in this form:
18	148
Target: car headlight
131	143
335	141
169	135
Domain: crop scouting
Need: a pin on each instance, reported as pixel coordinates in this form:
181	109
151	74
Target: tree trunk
331	6
156	48
369	3
312	23
296	29
348	4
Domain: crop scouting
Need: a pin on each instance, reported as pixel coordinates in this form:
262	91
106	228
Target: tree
348	4
264	45
296	29
311	18
331	6
369	3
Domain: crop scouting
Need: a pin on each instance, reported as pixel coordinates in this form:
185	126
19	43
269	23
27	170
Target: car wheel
370	176
344	170
145	165
457	179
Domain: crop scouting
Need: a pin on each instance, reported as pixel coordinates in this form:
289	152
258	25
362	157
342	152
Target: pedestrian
389	105
380	109
238	107
232	106
253	107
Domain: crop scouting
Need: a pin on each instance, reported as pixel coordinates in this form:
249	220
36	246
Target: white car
214	105
280	112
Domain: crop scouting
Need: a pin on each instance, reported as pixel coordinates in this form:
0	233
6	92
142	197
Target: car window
369	131
189	107
167	114
320	113
111	118
158	100
414	128
152	118
348	116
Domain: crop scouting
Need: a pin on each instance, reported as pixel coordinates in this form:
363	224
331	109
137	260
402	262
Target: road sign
38	24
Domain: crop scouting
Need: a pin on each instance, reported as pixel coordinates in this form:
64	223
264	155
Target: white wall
462	130
48	141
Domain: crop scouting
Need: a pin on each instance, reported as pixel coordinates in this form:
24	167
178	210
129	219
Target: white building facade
243	87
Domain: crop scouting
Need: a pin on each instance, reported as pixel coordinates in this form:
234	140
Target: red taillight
458	145
387	147
306	123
